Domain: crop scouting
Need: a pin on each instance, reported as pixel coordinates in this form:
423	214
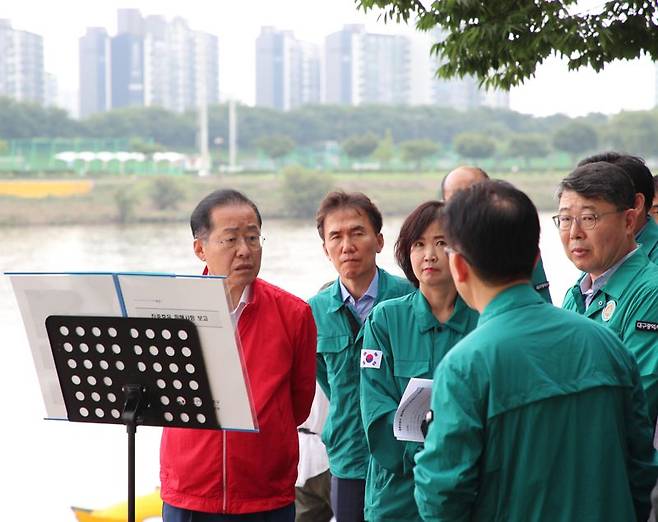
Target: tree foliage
311	127
303	190
385	149
166	193
576	138
528	146
474	145
417	151
635	132
276	146
360	146
28	120
148	148
503	42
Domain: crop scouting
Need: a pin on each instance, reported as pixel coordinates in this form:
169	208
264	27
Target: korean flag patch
371	358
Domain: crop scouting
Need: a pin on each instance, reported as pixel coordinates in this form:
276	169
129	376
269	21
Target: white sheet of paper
414	404
41	295
202	301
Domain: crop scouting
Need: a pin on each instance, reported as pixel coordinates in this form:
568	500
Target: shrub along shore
171	198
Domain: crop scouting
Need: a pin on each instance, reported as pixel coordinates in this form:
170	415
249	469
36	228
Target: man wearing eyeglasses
646	230
619	286
219	476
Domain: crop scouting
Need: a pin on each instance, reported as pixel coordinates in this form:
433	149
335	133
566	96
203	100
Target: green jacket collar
516	296
620	280
337	297
615	286
458	321
648	236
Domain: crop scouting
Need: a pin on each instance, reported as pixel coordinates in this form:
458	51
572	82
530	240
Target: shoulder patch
371	358
646	326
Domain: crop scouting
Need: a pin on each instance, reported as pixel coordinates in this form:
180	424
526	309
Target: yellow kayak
146	507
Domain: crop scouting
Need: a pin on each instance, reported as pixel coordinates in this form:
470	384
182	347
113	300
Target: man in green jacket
619	287
349	225
465	176
646	229
539	414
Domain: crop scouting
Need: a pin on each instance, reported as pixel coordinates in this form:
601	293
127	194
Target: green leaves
503	42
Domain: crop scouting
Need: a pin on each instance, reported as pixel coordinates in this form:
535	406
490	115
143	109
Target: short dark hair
655	183
413	227
601	180
340	199
200	219
635	167
496	228
482	172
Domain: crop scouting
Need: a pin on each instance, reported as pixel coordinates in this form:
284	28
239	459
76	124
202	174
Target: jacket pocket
333	344
414	368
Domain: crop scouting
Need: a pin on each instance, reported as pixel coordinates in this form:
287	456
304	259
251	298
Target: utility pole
232	136
202	111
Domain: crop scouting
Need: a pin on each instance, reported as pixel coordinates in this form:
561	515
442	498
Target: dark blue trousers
174	514
347	499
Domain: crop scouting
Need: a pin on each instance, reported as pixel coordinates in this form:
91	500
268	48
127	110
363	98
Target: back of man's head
460	178
634	167
603	181
496	228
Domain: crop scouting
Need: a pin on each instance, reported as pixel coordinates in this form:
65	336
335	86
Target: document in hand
415	403
200	299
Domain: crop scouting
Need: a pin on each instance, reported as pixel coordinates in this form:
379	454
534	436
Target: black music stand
132	371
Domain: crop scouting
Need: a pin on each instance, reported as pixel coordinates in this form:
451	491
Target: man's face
230	249
597	249
351	243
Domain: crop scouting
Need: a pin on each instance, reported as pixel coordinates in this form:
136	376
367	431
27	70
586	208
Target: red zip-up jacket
238	472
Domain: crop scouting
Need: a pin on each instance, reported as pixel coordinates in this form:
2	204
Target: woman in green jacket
408	336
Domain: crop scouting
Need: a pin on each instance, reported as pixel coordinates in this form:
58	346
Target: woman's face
428	258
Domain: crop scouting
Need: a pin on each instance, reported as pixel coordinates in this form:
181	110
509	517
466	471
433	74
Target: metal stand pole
131	472
133	401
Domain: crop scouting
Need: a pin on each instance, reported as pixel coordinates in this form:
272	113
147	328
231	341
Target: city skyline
629	85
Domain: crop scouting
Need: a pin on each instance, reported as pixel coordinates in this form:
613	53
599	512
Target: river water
48	466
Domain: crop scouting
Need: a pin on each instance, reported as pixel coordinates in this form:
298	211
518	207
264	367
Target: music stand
132	371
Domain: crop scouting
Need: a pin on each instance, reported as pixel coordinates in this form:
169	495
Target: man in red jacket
218	476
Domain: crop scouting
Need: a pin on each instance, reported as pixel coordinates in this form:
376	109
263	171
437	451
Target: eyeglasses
584	221
253	242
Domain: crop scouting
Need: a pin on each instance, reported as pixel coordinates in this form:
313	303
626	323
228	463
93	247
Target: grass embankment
132	199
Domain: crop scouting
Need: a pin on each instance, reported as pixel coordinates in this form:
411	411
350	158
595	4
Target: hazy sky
628	85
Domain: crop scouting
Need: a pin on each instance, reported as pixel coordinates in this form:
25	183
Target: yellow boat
147	507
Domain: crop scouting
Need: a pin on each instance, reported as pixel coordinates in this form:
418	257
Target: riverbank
151	199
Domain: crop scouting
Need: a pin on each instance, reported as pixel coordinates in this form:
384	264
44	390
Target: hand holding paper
412	410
